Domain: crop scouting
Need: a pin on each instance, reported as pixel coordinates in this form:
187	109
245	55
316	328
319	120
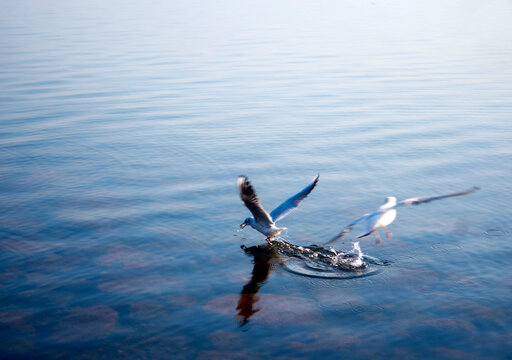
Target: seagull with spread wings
262	220
386	214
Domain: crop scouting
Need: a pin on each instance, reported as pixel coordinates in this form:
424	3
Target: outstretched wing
282	210
350	227
423	200
252	202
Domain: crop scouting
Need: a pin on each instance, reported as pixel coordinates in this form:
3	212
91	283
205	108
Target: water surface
124	126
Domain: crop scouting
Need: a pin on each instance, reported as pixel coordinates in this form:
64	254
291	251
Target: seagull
262	220
386	214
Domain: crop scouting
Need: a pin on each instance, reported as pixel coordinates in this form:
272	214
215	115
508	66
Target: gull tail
366	234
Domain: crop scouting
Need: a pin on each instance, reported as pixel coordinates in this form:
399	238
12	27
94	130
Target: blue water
124	126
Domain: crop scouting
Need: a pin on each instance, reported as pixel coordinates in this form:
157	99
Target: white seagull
263	221
386	214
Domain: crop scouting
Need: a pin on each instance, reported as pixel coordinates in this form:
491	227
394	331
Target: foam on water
319	262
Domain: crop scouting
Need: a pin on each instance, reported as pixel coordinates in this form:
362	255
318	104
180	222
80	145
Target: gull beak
242	225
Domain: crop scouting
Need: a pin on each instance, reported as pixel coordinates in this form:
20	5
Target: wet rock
138	346
27	247
449	324
445	353
237	277
223	355
183	300
218	259
477	313
385	353
331	339
268	309
146	311
442	328
341	302
150	284
16	320
86	324
129	257
16	347
39	278
338	344
55	264
420	280
226	339
9	278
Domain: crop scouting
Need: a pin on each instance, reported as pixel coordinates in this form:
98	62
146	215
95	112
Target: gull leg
268	240
388	233
377	237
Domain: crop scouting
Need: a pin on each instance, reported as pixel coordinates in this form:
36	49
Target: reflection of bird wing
252	202
423	200
351	226
284	209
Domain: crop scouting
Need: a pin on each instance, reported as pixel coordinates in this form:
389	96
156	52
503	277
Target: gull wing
423	200
252	202
351	226
282	210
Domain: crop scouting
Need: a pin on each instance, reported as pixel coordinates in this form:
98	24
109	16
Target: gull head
246	222
390	201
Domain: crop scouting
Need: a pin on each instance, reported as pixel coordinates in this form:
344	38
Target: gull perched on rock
386	214
262	220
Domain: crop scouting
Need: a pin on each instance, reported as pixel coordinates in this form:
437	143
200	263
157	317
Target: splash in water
311	261
354	256
317	261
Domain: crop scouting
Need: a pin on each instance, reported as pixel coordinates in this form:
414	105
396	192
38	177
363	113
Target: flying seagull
262	220
386	214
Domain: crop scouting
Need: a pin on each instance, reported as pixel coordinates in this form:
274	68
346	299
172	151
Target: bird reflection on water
311	261
265	258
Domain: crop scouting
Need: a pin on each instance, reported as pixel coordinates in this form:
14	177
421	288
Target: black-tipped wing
284	209
252	202
350	227
423	200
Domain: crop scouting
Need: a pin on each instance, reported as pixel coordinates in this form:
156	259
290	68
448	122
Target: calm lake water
124	126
